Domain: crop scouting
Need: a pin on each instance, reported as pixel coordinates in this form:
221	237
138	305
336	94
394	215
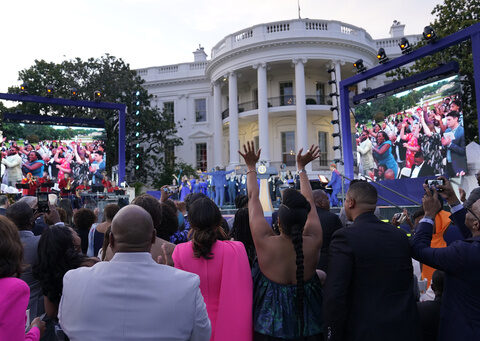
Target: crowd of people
178	270
425	141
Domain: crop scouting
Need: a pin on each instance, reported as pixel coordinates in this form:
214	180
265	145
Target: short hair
438	278
457	103
190	199
11	249
363	192
21	214
454	114
3	200
419	154
169	224
418	214
99	152
84	219
152	206
241	201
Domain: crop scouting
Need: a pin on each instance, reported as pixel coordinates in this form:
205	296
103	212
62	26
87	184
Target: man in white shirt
366	153
132	297
13	162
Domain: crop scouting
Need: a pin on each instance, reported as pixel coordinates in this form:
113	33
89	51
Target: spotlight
429	34
137	112
335	121
359	66
23	88
382	56
338	161
405	46
331	70
97	95
73	93
336	147
336	135
137	93
137	167
49	91
332	82
334	108
333	94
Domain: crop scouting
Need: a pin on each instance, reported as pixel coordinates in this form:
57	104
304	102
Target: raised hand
431	204
250	156
310	155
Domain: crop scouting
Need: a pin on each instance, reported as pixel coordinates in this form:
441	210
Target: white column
263	136
233	119
217	124
302	132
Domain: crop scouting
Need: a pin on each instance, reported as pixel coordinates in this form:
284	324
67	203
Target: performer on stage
65	185
219	182
34	165
185	188
336	185
13	162
232	189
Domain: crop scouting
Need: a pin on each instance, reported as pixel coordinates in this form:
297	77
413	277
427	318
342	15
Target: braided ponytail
297	240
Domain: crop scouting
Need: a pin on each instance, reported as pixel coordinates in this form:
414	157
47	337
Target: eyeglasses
471	212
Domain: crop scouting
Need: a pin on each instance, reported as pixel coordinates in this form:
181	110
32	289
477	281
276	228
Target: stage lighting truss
97	95
359	66
333	94
334	108
405	46
336	135
336	161
24	88
429	34
382	56
73	93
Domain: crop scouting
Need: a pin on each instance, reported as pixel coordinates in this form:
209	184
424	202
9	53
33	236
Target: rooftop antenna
298	3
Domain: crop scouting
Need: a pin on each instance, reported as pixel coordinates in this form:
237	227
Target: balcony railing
281	101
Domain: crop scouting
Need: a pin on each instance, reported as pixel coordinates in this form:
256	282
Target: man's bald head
321	199
132	230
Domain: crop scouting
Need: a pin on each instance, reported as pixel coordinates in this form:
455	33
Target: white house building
267	83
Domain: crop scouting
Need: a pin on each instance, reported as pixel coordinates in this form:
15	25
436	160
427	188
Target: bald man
330	223
369	292
460	311
132	297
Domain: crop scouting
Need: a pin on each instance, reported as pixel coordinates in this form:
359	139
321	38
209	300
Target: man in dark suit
460	311
421	168
429	311
369	289
330	223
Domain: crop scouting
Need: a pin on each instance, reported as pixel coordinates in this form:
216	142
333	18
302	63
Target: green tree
453	16
118	83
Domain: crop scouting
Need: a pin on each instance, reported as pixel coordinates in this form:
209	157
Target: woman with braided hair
287	291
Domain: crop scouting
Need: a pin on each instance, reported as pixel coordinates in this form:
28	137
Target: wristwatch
301	171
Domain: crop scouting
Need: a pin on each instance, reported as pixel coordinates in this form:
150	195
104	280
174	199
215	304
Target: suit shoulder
180	275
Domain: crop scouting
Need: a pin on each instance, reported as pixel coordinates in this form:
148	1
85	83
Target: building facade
267	83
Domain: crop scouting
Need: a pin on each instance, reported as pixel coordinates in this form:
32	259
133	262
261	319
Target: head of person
59	251
190	199
169	224
241	232
333	167
11	249
21	214
66	204
13	150
3	201
417	216
452	119
98	156
110	211
472	218
381	137
376	128
29	148
205	221
361	198
241	201
455	106
418	159
321	199
364	135
83	219
34	156
132	230
152	206
438	279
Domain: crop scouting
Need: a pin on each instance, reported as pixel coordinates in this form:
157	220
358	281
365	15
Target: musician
106	183
44	179
84	187
30	180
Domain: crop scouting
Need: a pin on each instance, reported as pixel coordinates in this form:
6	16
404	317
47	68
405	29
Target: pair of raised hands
251	157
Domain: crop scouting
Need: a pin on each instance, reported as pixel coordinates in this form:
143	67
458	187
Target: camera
400	217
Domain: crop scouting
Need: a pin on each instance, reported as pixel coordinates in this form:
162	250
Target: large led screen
412	134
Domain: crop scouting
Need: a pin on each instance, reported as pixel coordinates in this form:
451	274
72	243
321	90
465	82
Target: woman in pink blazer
225	277
14	293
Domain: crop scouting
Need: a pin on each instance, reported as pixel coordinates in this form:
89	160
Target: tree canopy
149	133
453	16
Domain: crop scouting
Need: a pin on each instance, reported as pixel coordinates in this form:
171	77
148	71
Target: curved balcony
297	28
281	101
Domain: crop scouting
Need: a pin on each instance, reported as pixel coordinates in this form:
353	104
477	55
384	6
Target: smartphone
434	183
42	202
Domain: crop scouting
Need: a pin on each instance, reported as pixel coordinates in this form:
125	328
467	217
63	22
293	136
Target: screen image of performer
13	163
454	141
97	167
34	165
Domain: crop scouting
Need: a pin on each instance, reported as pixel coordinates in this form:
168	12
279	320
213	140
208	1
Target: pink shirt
226	285
14	296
